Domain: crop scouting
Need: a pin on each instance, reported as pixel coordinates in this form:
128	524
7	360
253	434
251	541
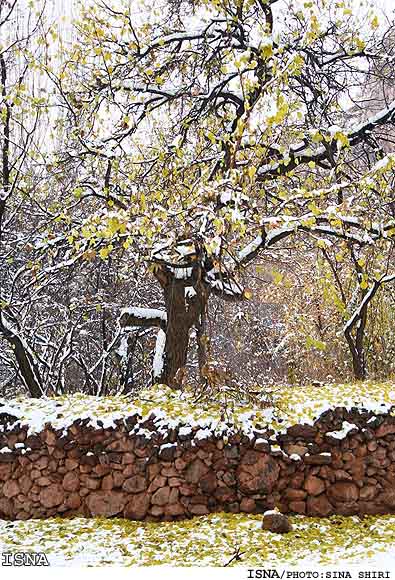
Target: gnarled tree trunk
185	309
186	302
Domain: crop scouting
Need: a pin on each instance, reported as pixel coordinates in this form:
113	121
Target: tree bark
185	309
177	332
357	347
358	359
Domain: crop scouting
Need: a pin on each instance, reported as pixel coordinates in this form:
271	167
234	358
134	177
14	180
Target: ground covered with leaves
205	541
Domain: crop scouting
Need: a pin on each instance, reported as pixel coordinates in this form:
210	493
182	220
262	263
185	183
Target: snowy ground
280	408
206	541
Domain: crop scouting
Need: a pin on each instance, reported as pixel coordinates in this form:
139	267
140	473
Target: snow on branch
142	317
179	38
365	301
384	116
250	251
159	356
148	317
4	194
300	153
321	224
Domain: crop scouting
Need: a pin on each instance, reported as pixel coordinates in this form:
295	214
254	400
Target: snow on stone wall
344	463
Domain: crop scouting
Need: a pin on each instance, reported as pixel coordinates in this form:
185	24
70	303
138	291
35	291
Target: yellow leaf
247	293
104	252
342	139
313	208
313	343
267	51
364	284
211	136
317	137
251	171
277	277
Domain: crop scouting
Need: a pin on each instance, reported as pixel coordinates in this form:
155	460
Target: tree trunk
357	354
359	367
26	365
28	369
359	362
177	332
185	309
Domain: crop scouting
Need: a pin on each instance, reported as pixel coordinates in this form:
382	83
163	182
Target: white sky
387	5
65	6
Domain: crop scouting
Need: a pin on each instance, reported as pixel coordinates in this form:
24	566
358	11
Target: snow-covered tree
214	131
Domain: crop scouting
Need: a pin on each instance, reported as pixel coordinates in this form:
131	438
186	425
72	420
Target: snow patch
346	428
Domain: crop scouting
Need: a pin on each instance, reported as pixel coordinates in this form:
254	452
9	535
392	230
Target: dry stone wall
343	464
